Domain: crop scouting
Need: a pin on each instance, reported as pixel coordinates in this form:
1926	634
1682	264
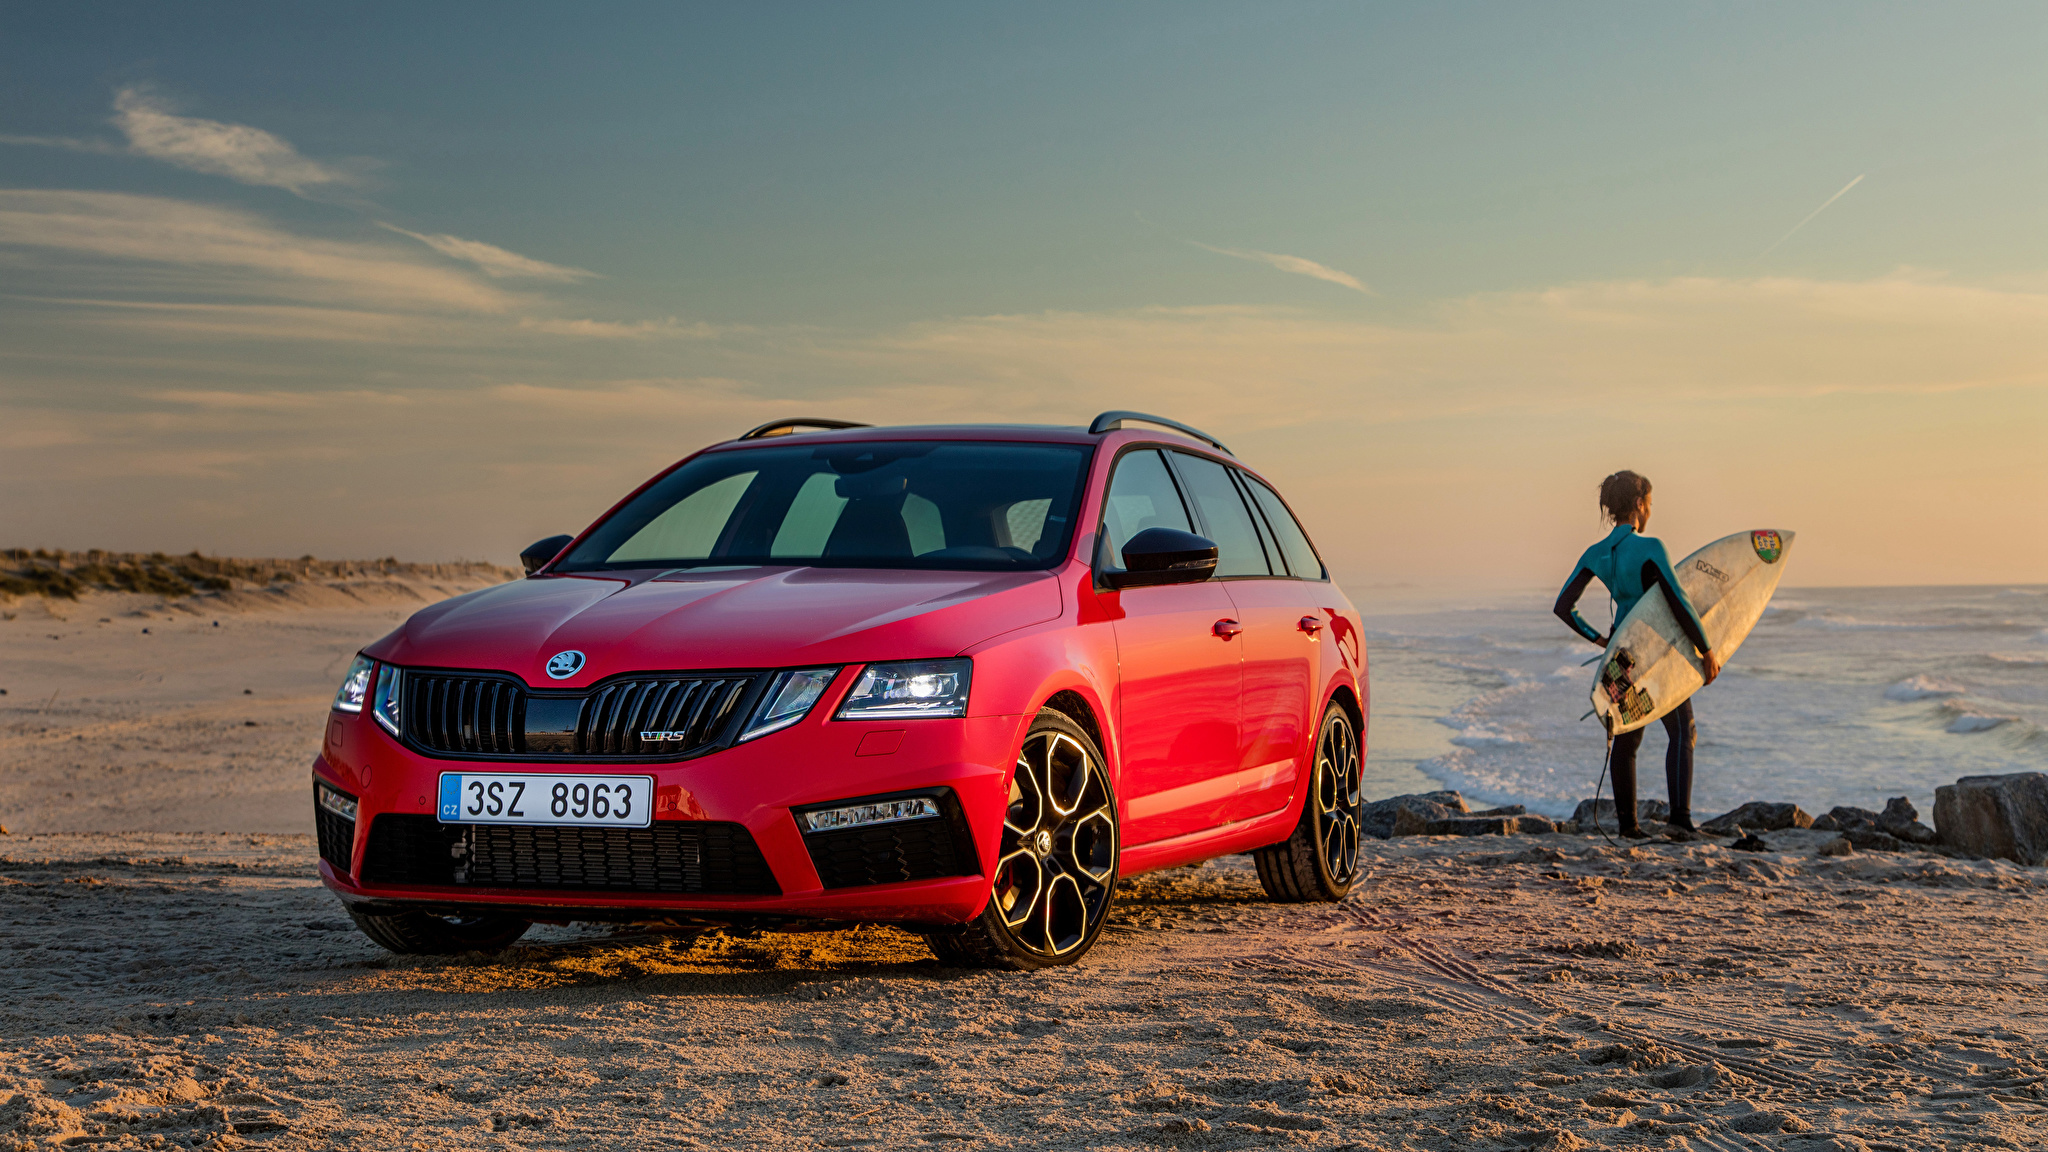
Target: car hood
746	618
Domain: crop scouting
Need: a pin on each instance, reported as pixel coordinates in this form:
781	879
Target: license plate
530	798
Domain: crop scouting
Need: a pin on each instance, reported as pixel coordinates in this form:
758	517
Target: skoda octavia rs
957	678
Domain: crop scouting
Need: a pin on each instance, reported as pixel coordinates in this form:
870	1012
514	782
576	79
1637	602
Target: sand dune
141	712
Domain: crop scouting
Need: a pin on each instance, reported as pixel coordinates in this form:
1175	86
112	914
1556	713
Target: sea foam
1922	688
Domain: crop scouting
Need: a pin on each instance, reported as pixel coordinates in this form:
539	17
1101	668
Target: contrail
1295	264
1811	215
1298	265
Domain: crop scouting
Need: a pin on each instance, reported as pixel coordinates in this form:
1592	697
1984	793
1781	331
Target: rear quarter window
1301	556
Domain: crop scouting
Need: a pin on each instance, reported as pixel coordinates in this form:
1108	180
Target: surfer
1630	564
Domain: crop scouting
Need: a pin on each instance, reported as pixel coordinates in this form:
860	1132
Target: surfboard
1650	667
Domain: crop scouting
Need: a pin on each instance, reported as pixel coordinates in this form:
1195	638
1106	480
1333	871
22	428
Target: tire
419	934
1056	860
1319	862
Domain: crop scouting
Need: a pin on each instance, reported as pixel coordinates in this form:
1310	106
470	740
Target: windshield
917	504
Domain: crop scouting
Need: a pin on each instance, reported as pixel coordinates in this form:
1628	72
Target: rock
1473	825
1378	818
1871	840
1751	843
1758	816
1508	810
1601	811
1901	819
1999	816
1839	846
1896	827
1841	818
1455	826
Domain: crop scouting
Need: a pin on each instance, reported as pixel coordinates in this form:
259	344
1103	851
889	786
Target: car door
1177	689
1275	729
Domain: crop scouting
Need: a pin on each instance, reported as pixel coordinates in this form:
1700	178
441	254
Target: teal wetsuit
1630	564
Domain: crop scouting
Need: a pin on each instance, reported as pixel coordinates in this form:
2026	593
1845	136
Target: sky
436	281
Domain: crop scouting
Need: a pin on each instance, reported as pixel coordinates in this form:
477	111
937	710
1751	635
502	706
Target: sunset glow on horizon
437	283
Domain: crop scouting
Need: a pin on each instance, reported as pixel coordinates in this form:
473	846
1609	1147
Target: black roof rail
785	427
1111	421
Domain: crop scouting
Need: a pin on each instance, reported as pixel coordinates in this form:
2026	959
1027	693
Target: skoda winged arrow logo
563	665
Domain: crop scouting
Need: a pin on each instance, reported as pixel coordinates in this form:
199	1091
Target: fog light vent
339	803
881	812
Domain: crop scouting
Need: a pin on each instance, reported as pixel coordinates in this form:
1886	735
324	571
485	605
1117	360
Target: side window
1294	545
1141	496
1238	550
689	530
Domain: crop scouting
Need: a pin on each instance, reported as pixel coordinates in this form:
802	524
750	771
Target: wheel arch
1347	699
1076	707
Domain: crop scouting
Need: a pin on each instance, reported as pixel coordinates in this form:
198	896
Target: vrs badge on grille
653	736
563	665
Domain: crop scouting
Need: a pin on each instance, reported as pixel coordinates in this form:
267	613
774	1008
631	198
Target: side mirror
541	551
1164	556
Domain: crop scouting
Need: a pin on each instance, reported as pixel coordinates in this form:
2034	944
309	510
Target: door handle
1311	625
1226	628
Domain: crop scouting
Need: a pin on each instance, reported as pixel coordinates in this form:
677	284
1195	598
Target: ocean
1839	696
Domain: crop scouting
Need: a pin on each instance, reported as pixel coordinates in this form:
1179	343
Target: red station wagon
956	678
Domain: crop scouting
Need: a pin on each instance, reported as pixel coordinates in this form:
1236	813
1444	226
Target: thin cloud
494	261
220	252
236	151
1811	215
68	143
669	329
1295	264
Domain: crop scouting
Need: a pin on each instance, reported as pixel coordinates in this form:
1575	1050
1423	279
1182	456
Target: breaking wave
1922	688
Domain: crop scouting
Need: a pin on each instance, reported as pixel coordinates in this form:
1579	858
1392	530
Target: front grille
337	837
674	856
668	717
464	713
891	853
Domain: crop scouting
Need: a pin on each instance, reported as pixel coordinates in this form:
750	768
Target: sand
196	988
199	714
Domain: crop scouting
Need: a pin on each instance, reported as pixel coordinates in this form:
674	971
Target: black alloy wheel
421	934
1319	862
1056	861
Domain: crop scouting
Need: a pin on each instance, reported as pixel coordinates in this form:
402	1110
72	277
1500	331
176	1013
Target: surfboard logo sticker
1710	570
1767	544
1617	683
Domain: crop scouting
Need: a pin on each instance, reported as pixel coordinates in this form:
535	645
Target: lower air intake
671	856
337	838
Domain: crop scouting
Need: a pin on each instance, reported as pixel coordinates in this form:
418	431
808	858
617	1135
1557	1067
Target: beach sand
177	977
197	714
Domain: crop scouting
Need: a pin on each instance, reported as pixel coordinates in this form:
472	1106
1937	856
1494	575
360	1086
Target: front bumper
704	808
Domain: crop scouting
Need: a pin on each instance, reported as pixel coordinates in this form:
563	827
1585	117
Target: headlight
788	700
909	690
355	686
386	707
